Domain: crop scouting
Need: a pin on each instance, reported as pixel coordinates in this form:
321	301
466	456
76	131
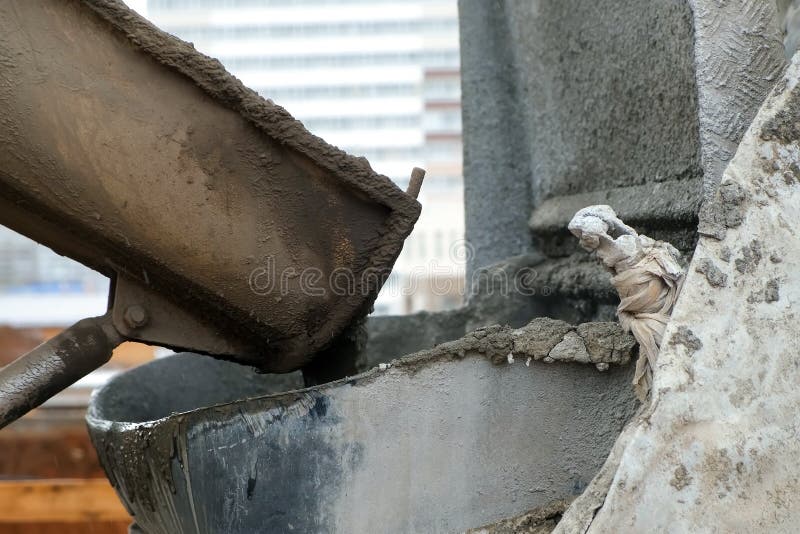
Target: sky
140	6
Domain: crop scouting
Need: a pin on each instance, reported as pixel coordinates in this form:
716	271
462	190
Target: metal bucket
437	442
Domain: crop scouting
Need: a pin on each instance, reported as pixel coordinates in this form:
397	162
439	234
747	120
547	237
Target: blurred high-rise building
29	267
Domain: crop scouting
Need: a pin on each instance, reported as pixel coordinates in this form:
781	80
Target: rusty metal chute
211	208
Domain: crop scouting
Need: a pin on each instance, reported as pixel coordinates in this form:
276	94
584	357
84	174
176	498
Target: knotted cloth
647	275
648	291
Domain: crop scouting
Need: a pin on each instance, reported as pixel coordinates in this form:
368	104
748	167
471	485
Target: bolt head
135	316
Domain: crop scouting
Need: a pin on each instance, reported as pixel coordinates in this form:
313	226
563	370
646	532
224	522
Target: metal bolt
135	316
415	184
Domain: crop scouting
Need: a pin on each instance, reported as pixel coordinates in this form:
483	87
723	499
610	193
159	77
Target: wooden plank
61	501
94	527
47	445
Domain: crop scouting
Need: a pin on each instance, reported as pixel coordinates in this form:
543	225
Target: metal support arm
55	365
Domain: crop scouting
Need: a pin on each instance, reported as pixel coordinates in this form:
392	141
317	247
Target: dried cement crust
542	520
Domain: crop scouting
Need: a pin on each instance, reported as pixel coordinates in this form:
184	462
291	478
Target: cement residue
540	337
718	472
772	291
784	127
681	478
543	339
541	520
732	196
606	341
744	393
769	293
684	336
571	348
725	211
494	342
751	257
551	340
792	176
712	273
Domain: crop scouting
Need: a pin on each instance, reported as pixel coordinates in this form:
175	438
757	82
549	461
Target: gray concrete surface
497	185
571	97
635	104
608	92
739	55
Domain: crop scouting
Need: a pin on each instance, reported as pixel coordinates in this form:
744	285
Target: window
300	30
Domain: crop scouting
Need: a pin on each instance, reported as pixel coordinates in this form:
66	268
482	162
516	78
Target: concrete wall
497	186
632	103
567	104
584	97
608	93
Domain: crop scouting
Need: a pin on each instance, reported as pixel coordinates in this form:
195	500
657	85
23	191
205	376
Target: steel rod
54	365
